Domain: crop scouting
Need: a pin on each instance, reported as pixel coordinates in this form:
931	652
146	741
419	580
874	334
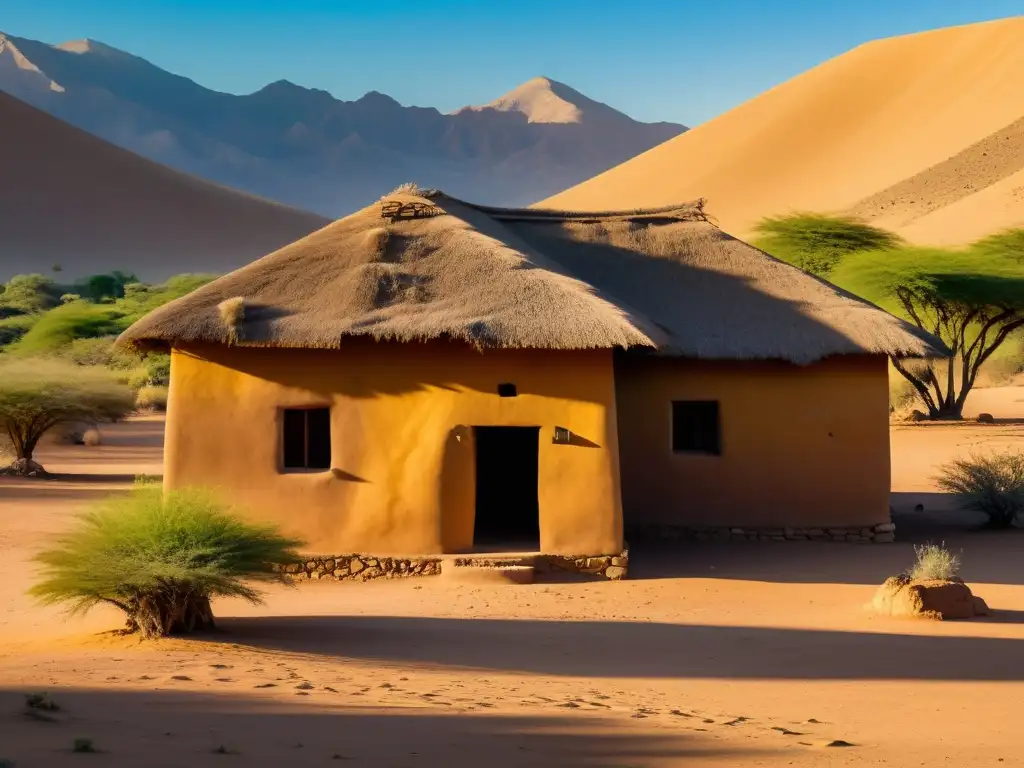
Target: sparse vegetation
933	562
992	484
37	395
41	701
152	398
232	313
160	559
83	745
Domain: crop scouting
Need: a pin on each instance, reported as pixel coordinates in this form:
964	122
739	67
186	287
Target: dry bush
992	484
933	562
92	438
152	398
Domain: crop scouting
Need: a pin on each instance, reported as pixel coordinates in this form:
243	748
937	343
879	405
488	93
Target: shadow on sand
640	649
143	728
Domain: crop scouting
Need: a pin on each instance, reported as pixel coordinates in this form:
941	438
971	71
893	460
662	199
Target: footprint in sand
737	721
223	680
266	685
221	666
305	686
180	677
785	731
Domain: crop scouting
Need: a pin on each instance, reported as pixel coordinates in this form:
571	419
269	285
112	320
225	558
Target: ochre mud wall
802	447
403	466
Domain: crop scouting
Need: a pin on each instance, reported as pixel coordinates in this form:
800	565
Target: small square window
507	390
306	438
696	427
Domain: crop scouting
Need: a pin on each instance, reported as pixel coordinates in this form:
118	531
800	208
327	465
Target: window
696	427
307	438
507	390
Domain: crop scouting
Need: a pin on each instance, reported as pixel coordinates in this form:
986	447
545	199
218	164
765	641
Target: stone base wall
882	533
614	567
367	568
364	567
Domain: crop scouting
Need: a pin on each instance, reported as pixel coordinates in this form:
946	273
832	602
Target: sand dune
897	129
69	198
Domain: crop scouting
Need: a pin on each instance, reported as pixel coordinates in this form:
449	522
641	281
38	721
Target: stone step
487	574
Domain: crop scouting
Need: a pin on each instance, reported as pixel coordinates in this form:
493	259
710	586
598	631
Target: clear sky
673	60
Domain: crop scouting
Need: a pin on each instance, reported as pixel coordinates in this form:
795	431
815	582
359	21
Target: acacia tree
38	394
973	301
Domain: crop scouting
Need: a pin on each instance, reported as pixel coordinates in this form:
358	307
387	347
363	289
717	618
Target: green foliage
14	327
158	369
140	299
992	484
98	288
61	326
29	293
816	243
38	394
159	556
933	562
1006	244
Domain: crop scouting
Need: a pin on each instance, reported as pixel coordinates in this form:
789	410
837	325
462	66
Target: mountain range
305	148
922	134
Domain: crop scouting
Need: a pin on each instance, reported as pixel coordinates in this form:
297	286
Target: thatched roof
422	265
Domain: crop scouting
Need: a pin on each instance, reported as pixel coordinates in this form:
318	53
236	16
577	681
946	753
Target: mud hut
432	376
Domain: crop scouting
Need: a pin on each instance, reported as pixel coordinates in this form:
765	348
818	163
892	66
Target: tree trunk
169	613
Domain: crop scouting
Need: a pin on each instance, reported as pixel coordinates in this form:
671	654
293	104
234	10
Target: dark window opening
507	505
307	438
696	427
507	390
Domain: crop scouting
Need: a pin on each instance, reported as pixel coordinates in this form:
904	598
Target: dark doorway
507	509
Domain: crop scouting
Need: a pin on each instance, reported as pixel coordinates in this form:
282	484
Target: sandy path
712	654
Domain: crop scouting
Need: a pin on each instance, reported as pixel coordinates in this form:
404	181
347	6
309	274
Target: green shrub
41	701
39	394
817	243
29	293
59	327
933	562
154	398
992	484
83	745
14	327
160	559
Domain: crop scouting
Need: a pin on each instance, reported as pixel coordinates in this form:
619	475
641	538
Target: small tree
974	302
160	558
817	243
38	394
30	293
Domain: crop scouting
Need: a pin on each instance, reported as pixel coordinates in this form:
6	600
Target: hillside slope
71	199
891	123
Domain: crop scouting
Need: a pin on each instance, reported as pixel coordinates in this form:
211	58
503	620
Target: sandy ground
711	654
892	129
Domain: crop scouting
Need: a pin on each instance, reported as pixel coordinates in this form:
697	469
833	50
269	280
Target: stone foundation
614	567
367	568
882	533
364	567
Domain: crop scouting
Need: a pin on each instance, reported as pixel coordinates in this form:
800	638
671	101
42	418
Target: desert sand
71	199
917	133
711	654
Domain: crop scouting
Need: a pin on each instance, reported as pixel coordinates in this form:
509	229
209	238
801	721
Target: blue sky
654	59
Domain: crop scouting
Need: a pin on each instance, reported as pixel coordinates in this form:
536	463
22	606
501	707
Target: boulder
986	418
902	596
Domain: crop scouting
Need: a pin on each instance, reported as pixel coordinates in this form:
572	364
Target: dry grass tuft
91	437
377	240
991	484
152	398
408	188
232	314
933	562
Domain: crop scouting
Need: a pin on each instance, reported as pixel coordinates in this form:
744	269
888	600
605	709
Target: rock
329	565
900	596
356	565
311	565
885	527
916	415
620	562
596	562
986	418
885	538
615	572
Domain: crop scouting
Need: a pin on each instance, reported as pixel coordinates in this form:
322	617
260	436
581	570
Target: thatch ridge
665	279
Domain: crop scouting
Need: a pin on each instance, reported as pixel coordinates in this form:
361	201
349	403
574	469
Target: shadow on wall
634	649
261	732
